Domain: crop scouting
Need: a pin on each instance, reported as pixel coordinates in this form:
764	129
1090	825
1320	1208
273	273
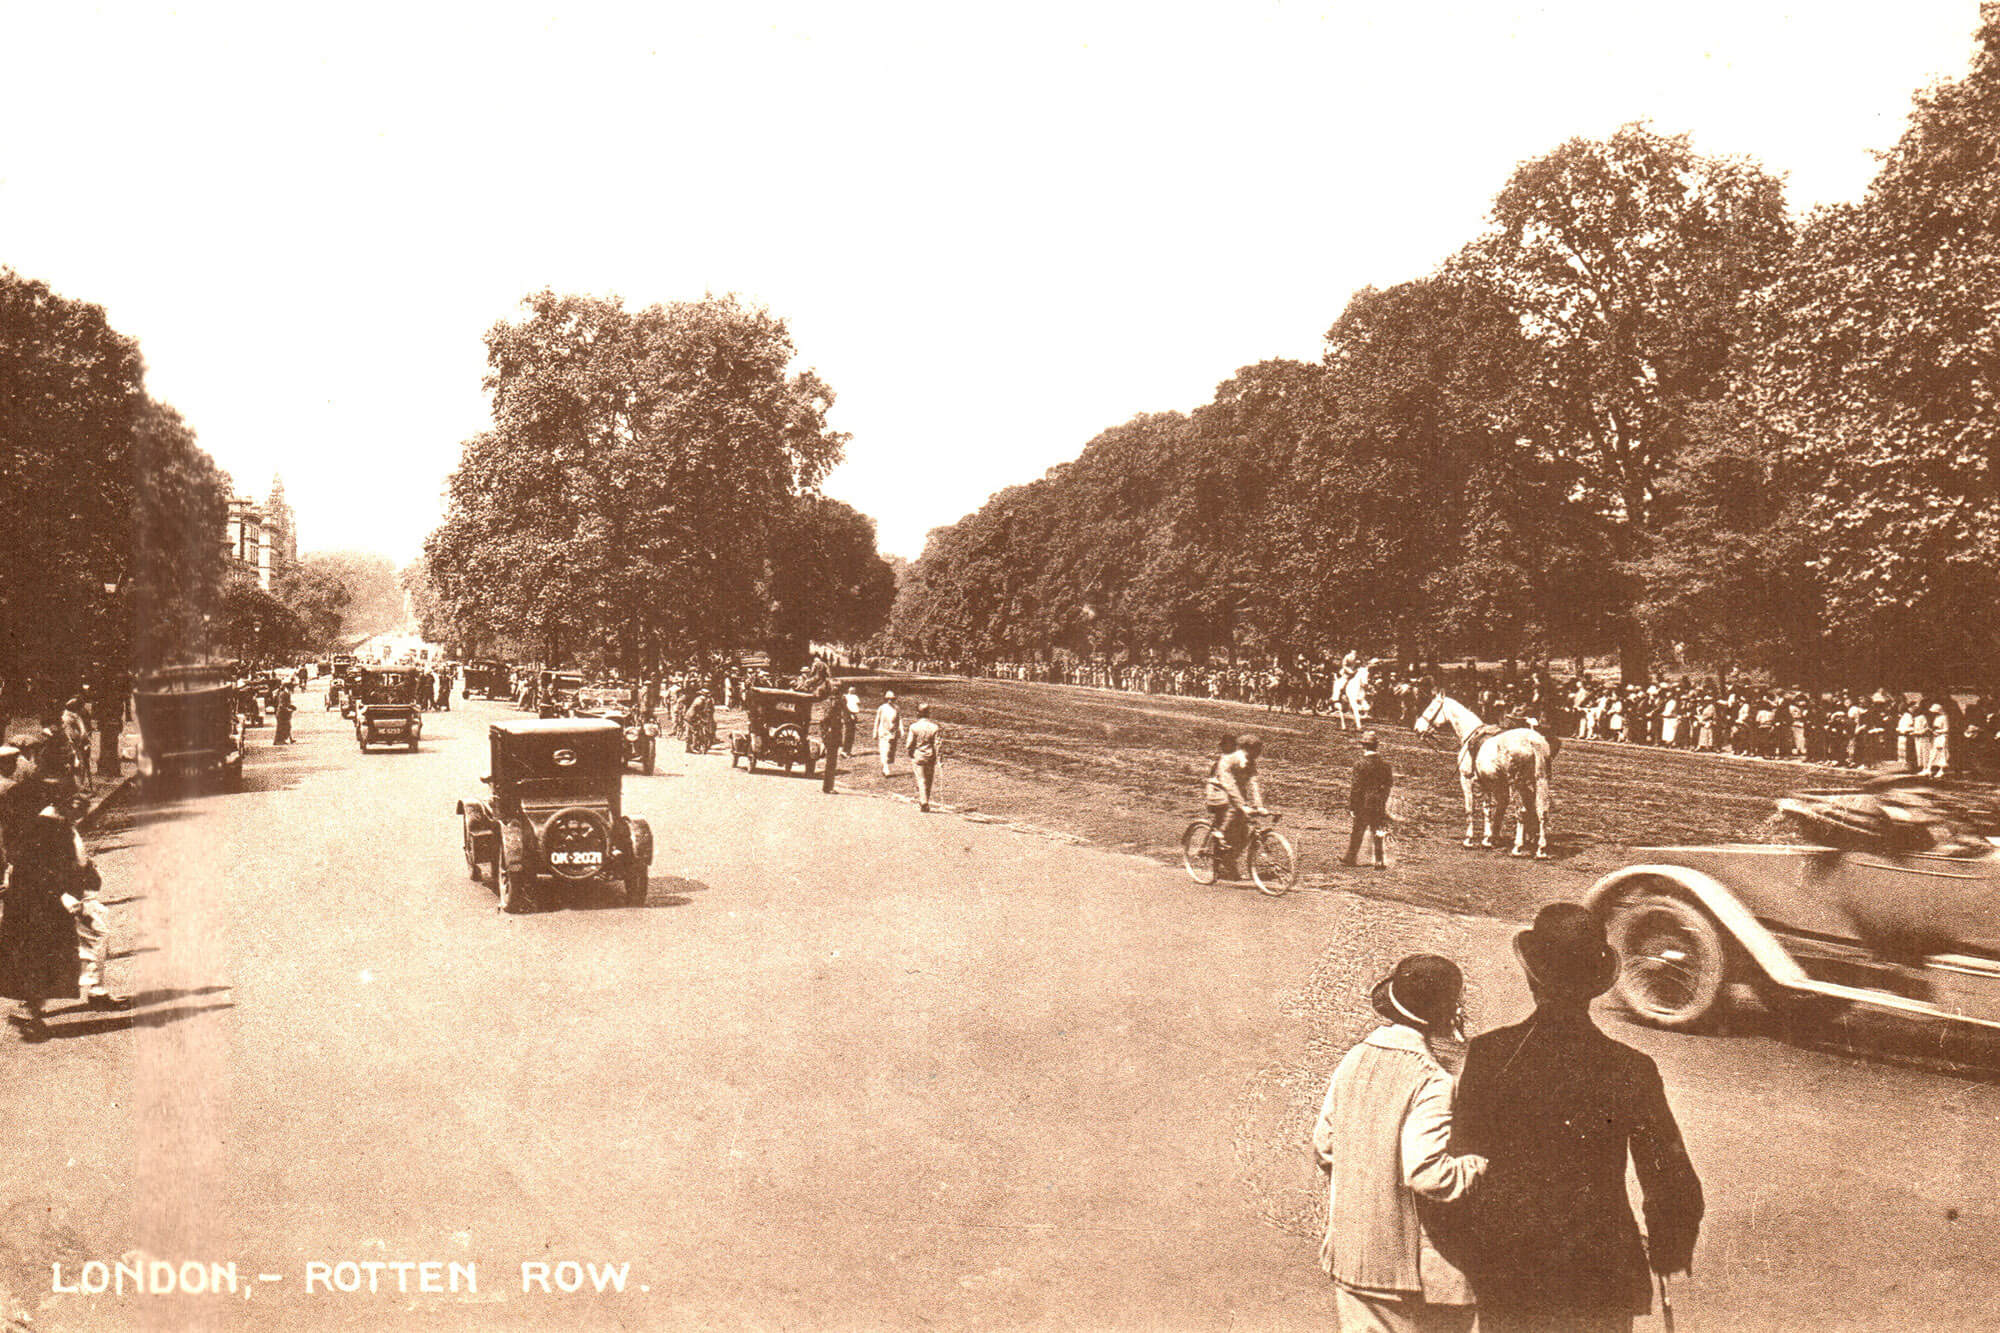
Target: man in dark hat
1557	1107
1368	800
1383	1139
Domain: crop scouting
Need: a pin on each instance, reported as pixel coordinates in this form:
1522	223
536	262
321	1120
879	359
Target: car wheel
652	748
471	851
513	874
1673	961
413	745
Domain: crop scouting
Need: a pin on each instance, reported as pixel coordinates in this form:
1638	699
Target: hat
888	694
1368	740
1423	991
1565	952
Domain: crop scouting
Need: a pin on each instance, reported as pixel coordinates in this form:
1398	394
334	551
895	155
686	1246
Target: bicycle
1273	865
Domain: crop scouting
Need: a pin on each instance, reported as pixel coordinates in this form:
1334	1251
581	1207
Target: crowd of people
1924	732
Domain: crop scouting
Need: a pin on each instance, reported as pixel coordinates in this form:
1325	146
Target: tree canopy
625	501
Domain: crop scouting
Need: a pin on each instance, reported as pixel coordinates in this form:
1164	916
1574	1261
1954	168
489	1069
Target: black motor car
555	813
780	730
189	726
385	707
615	704
488	678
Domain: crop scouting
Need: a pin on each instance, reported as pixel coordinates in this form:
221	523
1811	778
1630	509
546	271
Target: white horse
1491	762
1350	697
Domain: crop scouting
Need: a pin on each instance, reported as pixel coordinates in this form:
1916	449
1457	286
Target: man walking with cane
926	748
1368	801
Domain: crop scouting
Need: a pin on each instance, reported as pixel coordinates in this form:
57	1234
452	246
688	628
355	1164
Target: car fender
641	835
1714	897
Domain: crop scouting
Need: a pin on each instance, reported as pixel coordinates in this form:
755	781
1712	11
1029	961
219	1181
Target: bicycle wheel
1196	854
1273	864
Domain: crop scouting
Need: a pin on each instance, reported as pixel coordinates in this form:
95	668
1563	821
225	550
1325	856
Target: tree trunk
1634	651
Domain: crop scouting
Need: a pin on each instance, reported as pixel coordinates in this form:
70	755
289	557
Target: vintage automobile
616	704
554	812
488	678
385	707
189	726
780	730
1893	904
556	691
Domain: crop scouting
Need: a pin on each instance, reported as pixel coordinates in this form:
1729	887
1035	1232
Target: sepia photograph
1092	666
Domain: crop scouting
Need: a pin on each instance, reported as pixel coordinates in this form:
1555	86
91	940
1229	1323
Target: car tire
652	754
471	850
1673	959
511	877
413	745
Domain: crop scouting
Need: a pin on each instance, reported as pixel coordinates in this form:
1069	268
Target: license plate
576	858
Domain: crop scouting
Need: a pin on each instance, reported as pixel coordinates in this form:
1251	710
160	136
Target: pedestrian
1940	742
38	937
285	709
888	719
926	748
76	735
834	724
852	698
1368	801
1556	1107
1383	1139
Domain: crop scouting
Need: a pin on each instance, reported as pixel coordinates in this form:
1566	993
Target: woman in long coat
38	953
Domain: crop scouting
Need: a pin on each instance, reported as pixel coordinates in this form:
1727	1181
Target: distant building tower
248	551
281	528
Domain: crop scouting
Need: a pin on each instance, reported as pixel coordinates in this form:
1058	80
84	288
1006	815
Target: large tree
1626	261
111	555
1878	379
826	583
623	500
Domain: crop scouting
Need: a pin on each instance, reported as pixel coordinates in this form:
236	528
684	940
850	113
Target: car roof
555	726
783	696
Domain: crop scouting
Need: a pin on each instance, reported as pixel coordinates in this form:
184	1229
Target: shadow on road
142	1014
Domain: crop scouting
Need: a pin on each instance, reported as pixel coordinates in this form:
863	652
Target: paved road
852	1066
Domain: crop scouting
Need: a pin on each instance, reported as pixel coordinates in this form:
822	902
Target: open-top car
488	678
556	691
616	704
1893	904
189	726
779	730
385	707
555	812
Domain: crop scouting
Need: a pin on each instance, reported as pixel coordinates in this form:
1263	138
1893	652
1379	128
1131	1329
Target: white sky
995	230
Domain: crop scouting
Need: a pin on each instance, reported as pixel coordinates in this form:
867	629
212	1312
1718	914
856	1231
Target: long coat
38	954
1556	1107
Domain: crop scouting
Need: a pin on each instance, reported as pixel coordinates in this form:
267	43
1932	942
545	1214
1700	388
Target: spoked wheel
1274	867
1672	961
1197	855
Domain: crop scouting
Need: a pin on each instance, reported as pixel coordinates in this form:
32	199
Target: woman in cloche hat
1382	1138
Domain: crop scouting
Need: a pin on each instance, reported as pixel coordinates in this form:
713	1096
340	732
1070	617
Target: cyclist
1233	795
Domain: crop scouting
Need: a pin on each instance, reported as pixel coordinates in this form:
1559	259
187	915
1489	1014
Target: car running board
1983	968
